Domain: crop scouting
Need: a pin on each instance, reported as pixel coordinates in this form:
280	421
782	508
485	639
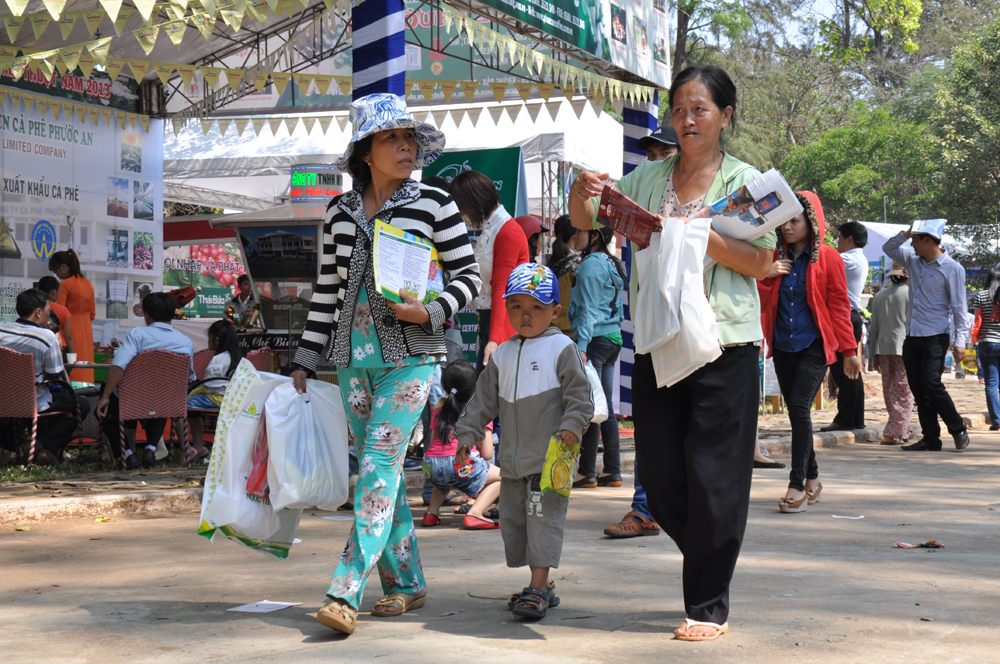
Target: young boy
537	383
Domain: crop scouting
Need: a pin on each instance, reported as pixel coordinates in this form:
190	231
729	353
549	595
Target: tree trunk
680	41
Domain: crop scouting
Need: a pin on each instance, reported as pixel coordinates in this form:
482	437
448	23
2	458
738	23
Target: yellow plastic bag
560	462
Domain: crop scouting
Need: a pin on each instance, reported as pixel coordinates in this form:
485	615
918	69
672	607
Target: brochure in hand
404	261
621	213
754	209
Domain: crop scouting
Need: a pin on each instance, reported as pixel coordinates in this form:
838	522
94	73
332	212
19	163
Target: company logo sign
43	240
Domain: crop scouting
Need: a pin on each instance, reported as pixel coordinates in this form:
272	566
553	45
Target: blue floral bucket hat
379	112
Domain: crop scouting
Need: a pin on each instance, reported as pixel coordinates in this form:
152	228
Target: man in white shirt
851	393
29	335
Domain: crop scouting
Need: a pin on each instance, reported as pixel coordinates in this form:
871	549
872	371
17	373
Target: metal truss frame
184	193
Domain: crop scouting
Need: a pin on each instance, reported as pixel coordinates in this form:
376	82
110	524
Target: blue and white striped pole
378	28
640	120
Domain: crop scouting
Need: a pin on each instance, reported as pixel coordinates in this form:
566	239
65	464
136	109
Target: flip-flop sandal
193	454
553	600
339	616
405	601
719	630
767	464
533	603
463	508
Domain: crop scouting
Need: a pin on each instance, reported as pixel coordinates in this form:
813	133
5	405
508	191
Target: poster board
505	166
96	188
212	267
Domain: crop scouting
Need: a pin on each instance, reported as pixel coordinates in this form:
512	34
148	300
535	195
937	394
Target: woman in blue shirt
595	313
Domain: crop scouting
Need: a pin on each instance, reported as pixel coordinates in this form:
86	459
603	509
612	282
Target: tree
694	18
853	167
968	117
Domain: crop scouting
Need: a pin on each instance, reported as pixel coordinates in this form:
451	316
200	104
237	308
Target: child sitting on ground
538	385
223	341
450	467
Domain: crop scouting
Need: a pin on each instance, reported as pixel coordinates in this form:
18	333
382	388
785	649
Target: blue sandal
553	600
533	603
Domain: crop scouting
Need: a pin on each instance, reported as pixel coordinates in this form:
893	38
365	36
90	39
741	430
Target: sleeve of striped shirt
324	307
451	239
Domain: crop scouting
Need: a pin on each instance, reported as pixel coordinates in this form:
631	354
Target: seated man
28	334
158	309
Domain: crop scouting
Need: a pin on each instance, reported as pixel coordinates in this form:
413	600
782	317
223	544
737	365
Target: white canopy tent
259	165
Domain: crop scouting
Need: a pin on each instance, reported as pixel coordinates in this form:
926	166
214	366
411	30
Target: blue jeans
639	503
988	357
602	353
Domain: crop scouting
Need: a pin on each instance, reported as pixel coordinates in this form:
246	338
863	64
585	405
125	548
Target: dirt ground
808	587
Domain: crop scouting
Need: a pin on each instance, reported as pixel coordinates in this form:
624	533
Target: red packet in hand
257	480
624	215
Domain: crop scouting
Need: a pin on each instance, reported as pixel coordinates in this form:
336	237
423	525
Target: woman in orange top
50	286
76	293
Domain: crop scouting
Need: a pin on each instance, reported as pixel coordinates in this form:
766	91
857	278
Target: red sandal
430	520
479	523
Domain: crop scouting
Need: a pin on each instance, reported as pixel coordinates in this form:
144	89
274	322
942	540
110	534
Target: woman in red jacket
500	248
806	319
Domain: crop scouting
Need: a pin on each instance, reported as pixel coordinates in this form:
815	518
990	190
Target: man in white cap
937	297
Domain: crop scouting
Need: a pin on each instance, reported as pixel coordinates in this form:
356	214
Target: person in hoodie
806	316
537	384
595	312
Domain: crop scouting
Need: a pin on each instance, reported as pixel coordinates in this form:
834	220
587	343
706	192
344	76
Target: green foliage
852	167
884	21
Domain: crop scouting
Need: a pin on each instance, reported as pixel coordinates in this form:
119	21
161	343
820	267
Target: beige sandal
406	602
788	506
681	632
338	615
814	496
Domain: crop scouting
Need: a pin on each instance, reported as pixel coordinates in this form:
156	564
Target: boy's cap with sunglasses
535	280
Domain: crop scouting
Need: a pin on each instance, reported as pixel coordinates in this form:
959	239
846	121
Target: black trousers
54	433
850	393
799	376
923	358
697	440
153	427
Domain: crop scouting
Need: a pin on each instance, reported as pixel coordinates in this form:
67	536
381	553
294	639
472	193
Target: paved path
808	587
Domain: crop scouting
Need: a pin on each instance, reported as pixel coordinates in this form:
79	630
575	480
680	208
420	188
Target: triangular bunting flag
233	17
496	113
567	90
204	23
147	37
448	88
533	110
112	7
176	9
456	116
42	104
275	125
178	124
342	120
259	9
29	101
3	96
106	116
499	89
426	88
66	23
308	123
260	80
56	108
15	99
175	31
211	76
145	8
13	25
523	89
81	113
514	111
597	104
92	19
474	114
139	69
17	6
553	108
235	77
469	88
120	117
224	125
61	66
258	124
578	107
185	72
344	83
99	50
439	117
512	50
67	109
447	20
123	13
39	22
71	56
545	90
304	81
324	124
241	124
206	126
163	70
114	67
324	82
280	80
131	119
144	120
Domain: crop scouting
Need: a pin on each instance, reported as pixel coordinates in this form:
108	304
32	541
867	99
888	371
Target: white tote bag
307	444
597	394
656	307
226	507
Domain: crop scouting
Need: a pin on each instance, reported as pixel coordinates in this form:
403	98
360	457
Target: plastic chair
201	360
260	359
154	385
18	396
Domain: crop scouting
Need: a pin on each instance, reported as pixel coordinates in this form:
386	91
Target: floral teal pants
383	405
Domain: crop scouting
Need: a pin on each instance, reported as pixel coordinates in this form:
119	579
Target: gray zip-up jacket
538	386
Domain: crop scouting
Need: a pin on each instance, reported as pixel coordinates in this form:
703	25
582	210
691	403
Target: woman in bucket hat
385	352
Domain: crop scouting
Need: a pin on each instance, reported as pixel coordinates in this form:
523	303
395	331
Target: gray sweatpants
532	523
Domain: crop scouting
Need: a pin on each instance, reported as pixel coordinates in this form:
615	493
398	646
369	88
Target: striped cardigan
419	209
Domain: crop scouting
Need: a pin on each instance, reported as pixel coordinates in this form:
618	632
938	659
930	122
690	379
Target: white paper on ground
835	516
264	607
339	518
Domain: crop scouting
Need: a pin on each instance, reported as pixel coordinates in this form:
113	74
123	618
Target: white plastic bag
307	442
597	394
657	305
226	507
697	340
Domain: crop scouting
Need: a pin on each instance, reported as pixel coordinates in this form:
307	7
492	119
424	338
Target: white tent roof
259	166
